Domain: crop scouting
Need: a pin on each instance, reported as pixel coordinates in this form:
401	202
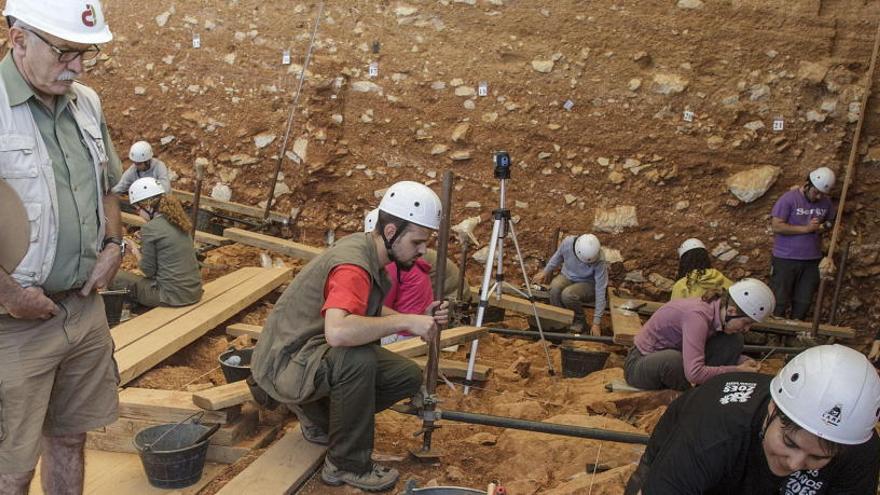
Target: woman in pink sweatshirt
688	341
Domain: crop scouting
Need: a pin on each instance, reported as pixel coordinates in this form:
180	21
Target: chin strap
389	245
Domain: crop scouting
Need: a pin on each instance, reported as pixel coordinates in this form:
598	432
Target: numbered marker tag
285	57
197	41
483	88
374	69
568	105
688	116
778	124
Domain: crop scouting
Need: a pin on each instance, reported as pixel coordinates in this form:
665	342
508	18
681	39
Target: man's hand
422	325
874	355
539	277
105	269
826	267
595	329
749	365
439	310
31	304
813	226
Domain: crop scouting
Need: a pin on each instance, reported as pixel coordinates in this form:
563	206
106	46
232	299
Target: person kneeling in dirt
319	351
695	273
143	164
809	430
688	341
583	279
166	258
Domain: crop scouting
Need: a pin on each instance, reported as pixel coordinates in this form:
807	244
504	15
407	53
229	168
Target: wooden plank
208	202
282	469
415	347
779	325
203	237
238	329
229	434
274	244
238	392
225	454
520	305
152	349
115	473
456	369
167	406
136	328
625	323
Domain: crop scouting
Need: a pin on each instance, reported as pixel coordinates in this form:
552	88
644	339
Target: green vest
294	333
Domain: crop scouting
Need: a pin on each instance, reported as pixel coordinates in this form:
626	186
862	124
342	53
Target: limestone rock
661	282
300	149
635	276
460	132
570	198
615	220
814	116
544	66
689	4
635	84
612	255
460	155
481	255
813	72
221	192
366	87
405	10
616	177
750	185
465	91
668	84
439	149
465	229
264	139
162	18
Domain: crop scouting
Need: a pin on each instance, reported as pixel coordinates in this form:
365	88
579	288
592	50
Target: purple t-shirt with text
794	208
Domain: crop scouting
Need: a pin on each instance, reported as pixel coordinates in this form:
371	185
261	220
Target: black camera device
502	164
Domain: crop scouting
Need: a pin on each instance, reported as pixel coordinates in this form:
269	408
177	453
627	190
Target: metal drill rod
293	106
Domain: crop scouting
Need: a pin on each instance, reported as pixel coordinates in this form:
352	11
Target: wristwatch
115	240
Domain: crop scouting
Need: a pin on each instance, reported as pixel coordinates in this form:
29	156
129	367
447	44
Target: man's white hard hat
77	21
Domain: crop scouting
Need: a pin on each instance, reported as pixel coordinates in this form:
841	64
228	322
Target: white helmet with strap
140	152
753	297
831	391
688	244
823	179
144	188
371	220
414	202
587	248
77	21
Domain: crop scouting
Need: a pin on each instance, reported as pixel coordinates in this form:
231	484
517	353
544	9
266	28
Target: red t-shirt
347	288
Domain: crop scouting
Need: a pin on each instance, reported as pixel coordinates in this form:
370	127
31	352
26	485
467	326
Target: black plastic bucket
113	307
241	371
172	461
578	363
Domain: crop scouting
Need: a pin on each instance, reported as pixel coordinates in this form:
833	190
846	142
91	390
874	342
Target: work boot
377	479
260	395
310	430
577	326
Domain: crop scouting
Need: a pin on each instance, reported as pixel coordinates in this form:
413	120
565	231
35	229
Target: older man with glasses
58	378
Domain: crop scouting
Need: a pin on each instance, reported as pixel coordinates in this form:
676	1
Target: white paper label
778	124
374	69
688	116
568	105
285	57
197	41
483	89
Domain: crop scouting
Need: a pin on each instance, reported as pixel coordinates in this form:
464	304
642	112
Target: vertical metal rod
431	370
462	274
293	106
484	301
197	199
838	282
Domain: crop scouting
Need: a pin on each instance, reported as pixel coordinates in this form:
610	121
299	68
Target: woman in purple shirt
688	341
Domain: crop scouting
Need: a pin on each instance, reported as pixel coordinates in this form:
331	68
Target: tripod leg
525	275
484	300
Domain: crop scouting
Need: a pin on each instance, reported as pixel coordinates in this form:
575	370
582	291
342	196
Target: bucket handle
148	447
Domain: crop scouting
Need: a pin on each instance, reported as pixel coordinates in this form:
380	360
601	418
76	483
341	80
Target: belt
60	296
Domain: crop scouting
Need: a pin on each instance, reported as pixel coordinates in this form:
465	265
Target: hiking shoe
310	430
577	327
377	479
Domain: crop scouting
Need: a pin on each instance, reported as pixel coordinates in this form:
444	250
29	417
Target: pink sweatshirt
413	294
685	325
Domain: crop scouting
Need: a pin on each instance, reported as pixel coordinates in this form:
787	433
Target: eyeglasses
66	56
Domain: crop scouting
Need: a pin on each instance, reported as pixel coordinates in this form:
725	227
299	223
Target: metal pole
197	198
302	77
538	426
847	178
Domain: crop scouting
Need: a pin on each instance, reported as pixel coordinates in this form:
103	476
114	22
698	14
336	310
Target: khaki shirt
74	180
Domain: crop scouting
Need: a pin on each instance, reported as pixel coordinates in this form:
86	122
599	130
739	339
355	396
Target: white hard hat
587	248
371	220
753	297
140	151
688	244
77	21
831	391
144	188
823	179
413	202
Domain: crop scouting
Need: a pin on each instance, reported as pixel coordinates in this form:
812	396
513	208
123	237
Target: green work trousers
351	386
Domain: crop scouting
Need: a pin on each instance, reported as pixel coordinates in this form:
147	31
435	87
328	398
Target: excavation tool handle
148	447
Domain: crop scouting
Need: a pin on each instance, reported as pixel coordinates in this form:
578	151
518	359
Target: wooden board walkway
232	394
625	323
282	469
274	244
157	344
520	305
207	202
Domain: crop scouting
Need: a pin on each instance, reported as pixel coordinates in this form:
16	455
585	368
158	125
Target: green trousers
143	291
351	386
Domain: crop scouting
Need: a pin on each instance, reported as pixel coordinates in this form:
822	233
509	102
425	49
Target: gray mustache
67	75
